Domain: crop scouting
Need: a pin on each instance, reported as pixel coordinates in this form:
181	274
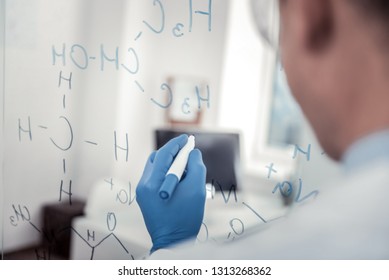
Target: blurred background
85	87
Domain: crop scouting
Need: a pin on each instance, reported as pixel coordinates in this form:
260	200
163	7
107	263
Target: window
280	121
285	118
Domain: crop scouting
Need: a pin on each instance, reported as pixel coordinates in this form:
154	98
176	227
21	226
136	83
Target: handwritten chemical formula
69	60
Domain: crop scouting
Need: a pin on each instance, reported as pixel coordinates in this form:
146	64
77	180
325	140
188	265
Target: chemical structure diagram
65	56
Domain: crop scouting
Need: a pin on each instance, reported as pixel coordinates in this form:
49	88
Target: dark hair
375	9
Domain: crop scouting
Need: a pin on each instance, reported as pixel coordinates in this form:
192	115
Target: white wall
101	22
33	169
196	55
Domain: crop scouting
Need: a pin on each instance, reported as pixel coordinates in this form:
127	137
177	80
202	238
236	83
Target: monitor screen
221	155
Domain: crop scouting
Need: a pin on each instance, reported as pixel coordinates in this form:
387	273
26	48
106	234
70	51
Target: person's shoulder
357	197
367	179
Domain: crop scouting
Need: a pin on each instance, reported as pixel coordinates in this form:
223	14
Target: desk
93	238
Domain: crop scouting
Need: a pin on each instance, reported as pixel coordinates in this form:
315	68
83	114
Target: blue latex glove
179	218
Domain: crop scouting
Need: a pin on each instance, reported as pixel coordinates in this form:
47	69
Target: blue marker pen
174	174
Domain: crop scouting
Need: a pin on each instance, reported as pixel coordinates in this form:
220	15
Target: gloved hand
179	218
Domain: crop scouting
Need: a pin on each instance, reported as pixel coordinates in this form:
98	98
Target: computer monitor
221	155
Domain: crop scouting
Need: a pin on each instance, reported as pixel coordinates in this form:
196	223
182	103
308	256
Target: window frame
263	153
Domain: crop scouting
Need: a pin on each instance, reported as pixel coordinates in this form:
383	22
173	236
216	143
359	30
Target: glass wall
2	28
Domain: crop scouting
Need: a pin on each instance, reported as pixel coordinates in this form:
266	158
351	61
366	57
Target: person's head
336	57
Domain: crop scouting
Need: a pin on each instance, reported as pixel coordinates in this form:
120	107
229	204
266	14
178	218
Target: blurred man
336	57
